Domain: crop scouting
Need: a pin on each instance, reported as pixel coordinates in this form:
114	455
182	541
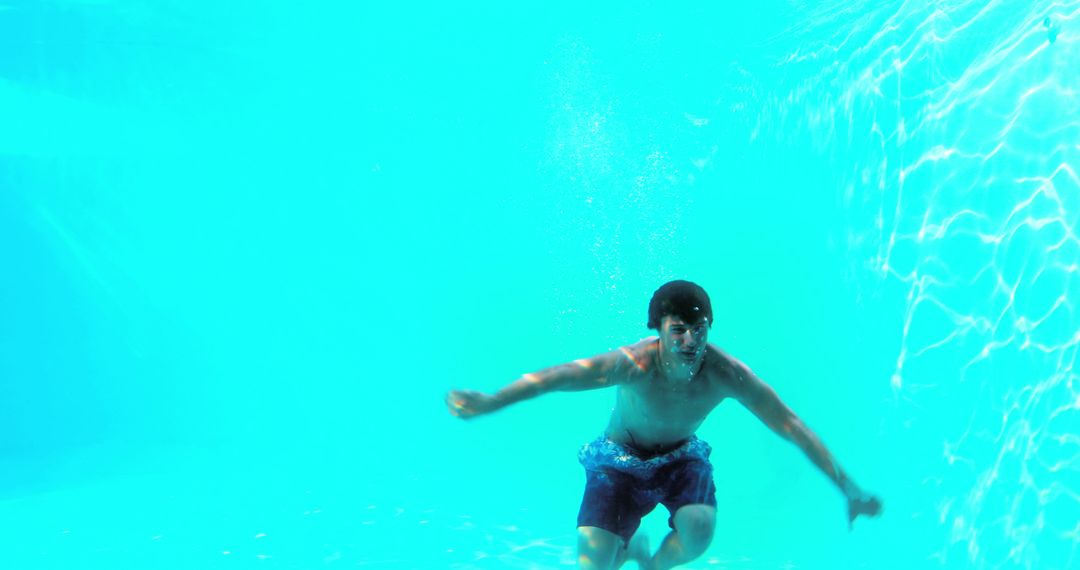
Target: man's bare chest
661	400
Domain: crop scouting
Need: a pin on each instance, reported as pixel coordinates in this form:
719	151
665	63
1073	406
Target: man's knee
597	548
695	525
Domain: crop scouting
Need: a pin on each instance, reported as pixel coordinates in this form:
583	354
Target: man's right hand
469	403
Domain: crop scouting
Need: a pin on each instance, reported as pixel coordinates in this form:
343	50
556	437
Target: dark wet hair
683	299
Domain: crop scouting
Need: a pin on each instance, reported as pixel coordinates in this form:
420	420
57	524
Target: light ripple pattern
960	121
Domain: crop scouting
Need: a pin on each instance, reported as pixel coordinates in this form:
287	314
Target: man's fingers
455	403
856	507
871	506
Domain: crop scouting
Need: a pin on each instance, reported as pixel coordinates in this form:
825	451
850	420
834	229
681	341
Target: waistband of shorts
603	453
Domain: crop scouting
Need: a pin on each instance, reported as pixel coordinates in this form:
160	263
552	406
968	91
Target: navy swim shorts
622	485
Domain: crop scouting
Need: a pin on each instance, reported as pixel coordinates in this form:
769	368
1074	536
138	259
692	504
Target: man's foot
638	550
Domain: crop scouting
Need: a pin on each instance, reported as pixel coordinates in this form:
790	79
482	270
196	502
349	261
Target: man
648	454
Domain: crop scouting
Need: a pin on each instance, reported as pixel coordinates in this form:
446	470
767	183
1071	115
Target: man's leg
694	525
597	548
593	545
637	550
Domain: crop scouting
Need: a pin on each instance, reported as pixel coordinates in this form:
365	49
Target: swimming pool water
248	246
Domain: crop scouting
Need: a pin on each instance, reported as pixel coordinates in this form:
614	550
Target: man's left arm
763	402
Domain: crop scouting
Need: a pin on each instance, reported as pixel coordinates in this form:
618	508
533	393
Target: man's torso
653	414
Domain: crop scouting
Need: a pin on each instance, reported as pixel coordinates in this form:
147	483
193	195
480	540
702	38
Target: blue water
247	247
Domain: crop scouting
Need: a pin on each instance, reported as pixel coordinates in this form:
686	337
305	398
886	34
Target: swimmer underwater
648	454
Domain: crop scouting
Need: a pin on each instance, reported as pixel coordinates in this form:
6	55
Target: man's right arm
601	371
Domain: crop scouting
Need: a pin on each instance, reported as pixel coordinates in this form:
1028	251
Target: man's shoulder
723	367
736	378
640	355
645	347
649	343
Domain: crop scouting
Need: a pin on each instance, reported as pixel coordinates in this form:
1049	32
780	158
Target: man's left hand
860	503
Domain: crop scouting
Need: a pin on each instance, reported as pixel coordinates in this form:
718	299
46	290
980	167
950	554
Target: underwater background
246	248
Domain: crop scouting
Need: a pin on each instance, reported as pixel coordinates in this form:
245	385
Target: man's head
681	299
680	311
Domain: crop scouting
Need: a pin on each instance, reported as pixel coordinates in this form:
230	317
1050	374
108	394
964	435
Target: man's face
684	343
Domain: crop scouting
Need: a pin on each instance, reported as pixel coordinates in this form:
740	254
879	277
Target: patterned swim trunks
622	484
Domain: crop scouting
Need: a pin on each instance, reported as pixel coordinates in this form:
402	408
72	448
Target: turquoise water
248	246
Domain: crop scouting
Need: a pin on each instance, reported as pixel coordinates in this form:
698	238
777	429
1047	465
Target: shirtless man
648	454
